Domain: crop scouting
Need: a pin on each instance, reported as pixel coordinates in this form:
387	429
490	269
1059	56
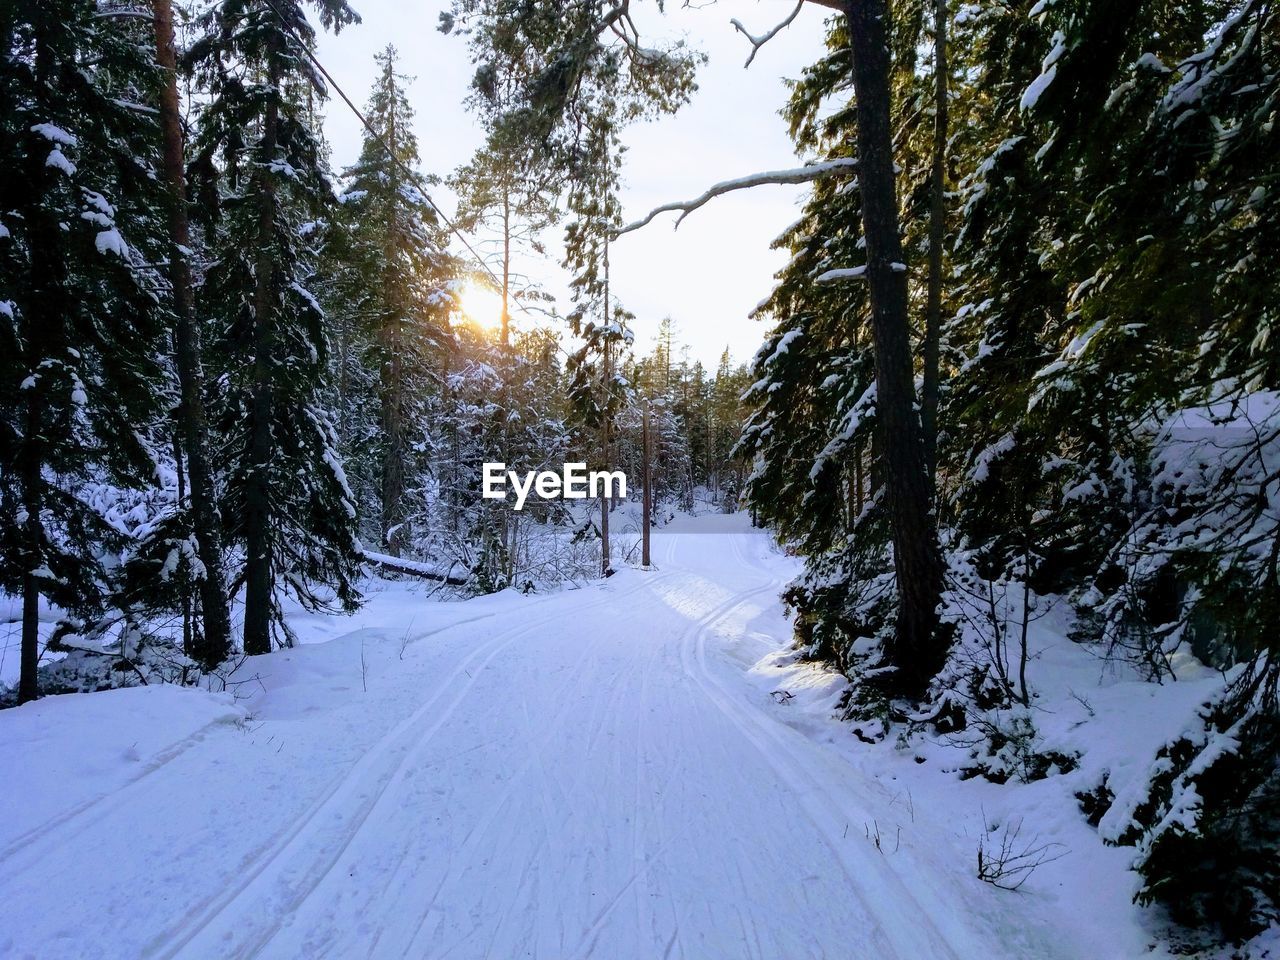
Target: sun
482	306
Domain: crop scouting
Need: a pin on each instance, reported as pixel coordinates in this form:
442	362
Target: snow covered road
589	774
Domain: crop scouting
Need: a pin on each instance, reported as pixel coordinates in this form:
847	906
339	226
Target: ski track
594	778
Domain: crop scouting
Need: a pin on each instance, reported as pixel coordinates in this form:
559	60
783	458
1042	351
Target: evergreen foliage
81	314
260	172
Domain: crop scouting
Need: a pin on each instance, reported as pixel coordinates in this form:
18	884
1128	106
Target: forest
1015	382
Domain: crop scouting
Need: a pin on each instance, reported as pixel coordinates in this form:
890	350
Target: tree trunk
506	515
48	287
916	649
258	561
937	237
393	461
28	680
393	468
214	644
506	267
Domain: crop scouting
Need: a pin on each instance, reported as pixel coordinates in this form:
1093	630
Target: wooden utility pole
604	456
606	385
648	490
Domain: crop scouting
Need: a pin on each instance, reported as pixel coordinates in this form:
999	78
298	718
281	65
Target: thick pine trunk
917	649
937	236
215	644
45	313
258	572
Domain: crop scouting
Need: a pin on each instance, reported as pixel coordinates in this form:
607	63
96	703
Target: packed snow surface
603	772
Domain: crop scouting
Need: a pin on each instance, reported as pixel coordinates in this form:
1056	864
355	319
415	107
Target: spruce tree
401	292
213	640
81	323
263	186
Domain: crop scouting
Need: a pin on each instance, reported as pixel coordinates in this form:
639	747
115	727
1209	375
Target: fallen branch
413	569
805	174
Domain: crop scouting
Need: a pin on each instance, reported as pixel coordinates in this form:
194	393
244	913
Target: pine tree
1114	406
400	289
263	184
80	311
507	194
596	391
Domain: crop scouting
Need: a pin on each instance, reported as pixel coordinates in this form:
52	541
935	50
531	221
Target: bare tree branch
760	41
803	174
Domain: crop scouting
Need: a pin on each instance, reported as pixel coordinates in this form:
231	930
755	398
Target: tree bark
215	642
394	513
937	237
258	561
48	276
916	650
28	678
506	267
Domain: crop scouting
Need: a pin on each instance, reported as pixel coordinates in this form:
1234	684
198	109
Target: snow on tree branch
803	174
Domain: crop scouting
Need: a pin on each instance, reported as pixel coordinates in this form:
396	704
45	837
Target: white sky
710	273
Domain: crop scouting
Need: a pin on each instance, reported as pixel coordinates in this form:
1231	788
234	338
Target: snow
430	570
637	769
843	273
783	345
1149	61
793	175
1031	96
57	159
120	737
982	462
110	241
54	134
308	297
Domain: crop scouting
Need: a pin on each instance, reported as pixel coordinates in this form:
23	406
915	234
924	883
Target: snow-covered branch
803	174
843	273
413	568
